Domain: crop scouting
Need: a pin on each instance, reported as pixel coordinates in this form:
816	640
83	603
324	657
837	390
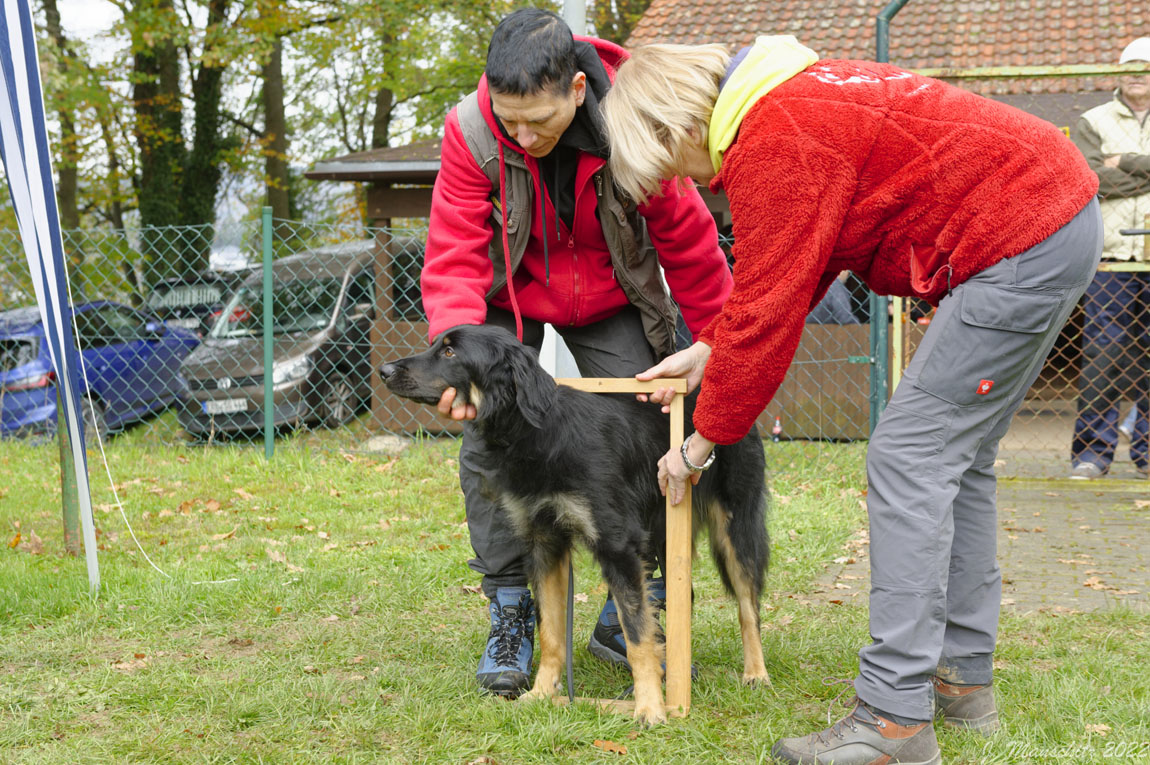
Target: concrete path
1063	546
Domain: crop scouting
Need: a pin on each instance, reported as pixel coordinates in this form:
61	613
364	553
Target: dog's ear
535	391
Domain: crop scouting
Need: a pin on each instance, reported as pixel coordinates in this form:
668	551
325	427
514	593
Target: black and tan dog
569	466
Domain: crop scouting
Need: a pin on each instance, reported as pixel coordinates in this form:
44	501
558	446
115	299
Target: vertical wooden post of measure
678	581
678	563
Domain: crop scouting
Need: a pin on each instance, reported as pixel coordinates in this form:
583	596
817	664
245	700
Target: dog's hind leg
644	653
551	600
741	565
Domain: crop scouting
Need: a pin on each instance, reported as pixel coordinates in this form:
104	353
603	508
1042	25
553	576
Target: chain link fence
170	323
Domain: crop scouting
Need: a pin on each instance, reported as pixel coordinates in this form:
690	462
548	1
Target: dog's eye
448	352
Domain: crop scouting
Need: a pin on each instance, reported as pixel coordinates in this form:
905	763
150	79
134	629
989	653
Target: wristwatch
687	460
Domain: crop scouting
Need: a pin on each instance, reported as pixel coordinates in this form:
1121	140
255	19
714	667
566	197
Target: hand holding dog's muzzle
451	405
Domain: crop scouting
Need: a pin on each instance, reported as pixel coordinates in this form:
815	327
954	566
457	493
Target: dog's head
487	367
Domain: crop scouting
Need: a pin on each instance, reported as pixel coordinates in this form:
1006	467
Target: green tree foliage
203	95
614	19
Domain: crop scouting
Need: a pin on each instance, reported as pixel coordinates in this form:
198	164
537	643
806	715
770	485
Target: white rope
104	456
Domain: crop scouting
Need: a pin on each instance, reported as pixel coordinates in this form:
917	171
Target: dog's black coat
575	466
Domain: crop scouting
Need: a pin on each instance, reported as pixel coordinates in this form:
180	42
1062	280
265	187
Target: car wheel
339	401
94	423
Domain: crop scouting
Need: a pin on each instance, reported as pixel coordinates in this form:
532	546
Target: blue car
131	360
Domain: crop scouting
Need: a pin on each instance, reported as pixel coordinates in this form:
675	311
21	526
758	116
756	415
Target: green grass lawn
343	625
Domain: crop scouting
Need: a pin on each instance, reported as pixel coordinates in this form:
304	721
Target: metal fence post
68	489
269	401
879	327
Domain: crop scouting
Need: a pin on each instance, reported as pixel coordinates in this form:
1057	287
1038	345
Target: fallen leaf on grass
1141	503
243	494
279	557
610	746
227	535
332	618
131	665
484	760
474	589
211	506
323	535
1101	729
14	541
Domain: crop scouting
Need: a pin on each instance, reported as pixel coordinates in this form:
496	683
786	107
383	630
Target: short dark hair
531	51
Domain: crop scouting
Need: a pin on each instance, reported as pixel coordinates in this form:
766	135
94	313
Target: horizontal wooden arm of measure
622	384
621	706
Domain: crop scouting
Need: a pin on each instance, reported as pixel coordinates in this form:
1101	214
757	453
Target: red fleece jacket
457	270
911	183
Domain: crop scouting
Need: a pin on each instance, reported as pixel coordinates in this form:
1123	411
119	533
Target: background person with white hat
1115	139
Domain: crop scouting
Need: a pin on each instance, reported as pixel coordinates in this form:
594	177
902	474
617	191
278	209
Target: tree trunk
381	123
201	180
158	127
275	134
66	164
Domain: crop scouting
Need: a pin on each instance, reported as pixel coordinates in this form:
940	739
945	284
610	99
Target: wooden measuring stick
678	573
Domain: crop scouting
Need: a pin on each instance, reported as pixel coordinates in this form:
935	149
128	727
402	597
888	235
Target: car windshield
303	305
15	353
184	295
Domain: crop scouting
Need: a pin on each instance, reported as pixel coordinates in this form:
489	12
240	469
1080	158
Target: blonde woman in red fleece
922	190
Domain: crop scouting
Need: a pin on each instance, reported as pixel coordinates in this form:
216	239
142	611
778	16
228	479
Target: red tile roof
924	34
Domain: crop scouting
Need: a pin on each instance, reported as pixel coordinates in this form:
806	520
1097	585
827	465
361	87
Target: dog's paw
537	693
757	679
650	714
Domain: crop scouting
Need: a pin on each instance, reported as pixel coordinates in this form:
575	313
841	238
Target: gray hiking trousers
935	581
614	347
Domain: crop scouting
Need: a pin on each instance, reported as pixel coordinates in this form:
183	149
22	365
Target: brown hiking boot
861	738
970	707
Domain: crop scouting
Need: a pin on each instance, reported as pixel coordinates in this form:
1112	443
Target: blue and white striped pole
28	170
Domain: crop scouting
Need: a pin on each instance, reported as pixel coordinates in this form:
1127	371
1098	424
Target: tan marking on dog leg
551	600
646	666
754	668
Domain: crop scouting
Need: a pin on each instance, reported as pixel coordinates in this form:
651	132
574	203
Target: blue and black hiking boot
607	641
505	667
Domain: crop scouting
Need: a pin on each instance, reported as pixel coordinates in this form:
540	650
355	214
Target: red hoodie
580	288
913	184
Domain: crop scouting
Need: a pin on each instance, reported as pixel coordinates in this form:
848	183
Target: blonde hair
659	104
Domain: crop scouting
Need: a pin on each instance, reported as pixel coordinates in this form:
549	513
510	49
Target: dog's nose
387	370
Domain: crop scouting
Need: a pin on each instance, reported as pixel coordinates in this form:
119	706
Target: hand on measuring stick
688	363
673	476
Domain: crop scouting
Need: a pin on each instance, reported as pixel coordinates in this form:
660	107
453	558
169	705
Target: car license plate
225	405
184	323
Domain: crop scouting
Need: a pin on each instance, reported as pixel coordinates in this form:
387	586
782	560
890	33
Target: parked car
192	301
322	309
131	362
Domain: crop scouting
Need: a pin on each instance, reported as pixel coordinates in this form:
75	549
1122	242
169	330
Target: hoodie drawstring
543	218
507	246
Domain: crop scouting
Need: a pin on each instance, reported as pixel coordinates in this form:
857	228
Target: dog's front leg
551	594
643	652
